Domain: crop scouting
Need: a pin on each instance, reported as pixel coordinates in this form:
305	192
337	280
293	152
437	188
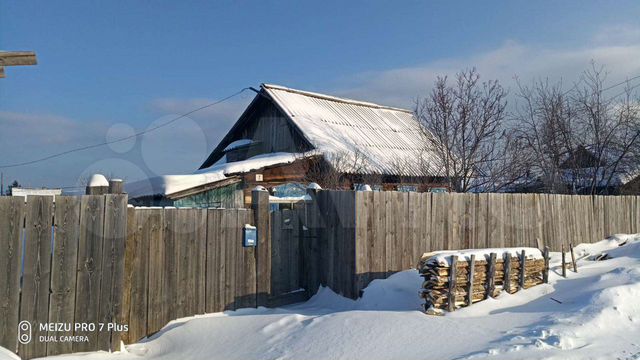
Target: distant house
287	138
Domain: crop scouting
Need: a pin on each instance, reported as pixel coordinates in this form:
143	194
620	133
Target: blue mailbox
250	236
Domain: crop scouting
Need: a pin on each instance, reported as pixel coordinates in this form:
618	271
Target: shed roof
356	136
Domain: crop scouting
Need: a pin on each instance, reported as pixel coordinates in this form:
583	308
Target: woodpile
456	279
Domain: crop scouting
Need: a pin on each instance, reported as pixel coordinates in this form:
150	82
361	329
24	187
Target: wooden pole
523	265
451	296
573	258
491	284
116	186
472	270
507	273
545	274
564	268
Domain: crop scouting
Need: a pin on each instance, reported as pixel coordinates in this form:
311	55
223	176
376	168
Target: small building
287	138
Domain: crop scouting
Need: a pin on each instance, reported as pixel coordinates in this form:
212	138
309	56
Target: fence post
116	186
451	295
261	218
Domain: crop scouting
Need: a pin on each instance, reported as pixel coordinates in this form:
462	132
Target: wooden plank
155	228
507	273
34	306
362	247
109	307
63	269
564	264
573	258
545	274
260	207
137	272
13	58
184	237
11	220
426	243
277	248
379	249
216	266
170	266
89	271
250	276
472	270
198	267
228	226
451	294
523	266
491	275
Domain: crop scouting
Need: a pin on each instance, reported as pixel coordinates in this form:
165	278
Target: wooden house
288	138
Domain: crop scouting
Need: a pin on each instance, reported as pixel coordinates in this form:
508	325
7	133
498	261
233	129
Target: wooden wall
393	229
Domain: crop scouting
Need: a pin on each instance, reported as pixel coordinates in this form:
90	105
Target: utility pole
1	184
16	58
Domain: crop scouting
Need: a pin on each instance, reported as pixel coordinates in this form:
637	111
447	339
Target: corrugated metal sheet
387	140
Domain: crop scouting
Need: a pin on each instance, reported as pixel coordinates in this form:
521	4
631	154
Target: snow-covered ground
593	314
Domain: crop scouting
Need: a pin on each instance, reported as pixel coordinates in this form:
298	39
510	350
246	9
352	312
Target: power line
621	83
126	137
605	89
624	92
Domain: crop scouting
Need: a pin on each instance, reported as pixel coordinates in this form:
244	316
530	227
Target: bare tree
464	127
610	129
339	170
578	140
544	126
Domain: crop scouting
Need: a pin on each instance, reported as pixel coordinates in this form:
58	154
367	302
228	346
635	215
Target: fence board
34	304
215	268
89	272
63	269
11	218
115	229
156	313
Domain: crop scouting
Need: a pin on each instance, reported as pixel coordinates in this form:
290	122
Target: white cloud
617	48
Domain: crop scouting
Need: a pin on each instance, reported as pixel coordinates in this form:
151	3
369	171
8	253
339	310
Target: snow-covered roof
377	139
171	184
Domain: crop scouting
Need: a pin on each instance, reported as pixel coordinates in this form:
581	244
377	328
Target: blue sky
109	68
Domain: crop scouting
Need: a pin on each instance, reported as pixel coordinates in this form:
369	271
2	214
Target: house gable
268	129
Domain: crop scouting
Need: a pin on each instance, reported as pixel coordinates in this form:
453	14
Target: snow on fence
460	278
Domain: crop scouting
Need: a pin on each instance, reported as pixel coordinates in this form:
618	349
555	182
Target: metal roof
356	136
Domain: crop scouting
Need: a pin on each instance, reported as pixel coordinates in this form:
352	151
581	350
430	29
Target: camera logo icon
24	332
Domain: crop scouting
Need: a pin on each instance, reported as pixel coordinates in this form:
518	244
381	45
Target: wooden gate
286	255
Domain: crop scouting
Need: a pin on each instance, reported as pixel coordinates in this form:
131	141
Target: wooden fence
183	262
393	229
60	264
350	238
92	260
88	272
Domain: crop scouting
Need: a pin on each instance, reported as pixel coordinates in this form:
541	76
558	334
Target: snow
592	314
170	184
443	258
238	143
288	199
98	180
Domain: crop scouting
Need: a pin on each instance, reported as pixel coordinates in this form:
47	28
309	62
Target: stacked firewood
492	271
